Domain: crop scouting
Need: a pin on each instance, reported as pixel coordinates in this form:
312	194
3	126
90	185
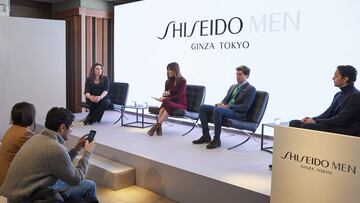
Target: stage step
130	194
109	173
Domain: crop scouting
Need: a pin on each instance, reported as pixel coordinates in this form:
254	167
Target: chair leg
250	135
121	116
240	143
192	128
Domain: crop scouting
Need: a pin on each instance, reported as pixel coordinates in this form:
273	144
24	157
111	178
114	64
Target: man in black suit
343	115
236	104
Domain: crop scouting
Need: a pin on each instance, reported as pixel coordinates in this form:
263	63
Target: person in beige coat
22	117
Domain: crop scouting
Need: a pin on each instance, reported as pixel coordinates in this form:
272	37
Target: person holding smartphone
43	164
91	135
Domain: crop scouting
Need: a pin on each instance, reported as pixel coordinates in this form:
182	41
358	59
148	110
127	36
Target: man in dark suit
236	104
343	115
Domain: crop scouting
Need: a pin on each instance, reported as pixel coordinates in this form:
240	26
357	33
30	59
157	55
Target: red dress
177	98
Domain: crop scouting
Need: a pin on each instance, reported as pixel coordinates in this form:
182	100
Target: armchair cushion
118	93
254	116
195	97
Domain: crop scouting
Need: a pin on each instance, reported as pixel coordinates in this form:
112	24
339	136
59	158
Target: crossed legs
163	115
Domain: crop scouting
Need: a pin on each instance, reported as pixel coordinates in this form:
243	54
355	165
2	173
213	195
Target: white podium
315	167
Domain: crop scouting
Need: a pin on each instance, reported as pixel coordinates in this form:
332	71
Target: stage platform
172	166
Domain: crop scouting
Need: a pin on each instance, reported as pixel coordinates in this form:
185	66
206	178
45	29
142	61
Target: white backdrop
32	65
293	48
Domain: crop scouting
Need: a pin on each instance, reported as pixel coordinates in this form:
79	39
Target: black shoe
270	166
88	121
203	139
215	143
111	107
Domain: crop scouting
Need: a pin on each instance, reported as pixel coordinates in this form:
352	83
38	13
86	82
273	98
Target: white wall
32	65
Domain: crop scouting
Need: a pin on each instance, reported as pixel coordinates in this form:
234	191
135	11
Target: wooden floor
133	194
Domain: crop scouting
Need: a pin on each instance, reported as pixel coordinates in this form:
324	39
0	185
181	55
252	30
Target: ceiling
50	1
57	1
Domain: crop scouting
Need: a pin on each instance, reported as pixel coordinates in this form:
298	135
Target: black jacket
344	111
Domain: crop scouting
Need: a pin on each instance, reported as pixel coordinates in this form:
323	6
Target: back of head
58	116
348	71
23	114
244	69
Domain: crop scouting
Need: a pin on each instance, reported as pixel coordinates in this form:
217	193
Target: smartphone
91	135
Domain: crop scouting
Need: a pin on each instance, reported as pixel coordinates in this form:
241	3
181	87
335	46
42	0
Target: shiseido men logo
321	165
203	28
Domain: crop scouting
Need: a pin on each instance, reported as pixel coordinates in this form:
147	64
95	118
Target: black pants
97	109
320	127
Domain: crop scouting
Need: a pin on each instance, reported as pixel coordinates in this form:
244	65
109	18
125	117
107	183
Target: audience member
43	165
22	117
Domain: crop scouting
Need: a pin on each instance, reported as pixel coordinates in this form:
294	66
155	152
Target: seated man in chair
343	115
236	104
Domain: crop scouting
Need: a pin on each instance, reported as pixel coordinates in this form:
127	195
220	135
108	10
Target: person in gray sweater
43	162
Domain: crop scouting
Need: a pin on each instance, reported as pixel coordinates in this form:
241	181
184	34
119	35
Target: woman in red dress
174	96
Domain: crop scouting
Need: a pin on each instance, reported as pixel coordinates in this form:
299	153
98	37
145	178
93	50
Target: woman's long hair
92	72
176	68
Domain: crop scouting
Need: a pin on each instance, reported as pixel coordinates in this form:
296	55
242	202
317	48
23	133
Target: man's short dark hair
244	69
58	116
23	114
348	71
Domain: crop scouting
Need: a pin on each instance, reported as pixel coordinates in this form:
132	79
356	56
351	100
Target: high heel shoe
153	129
159	130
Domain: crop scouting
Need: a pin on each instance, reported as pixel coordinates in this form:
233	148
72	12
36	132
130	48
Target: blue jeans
215	114
86	189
